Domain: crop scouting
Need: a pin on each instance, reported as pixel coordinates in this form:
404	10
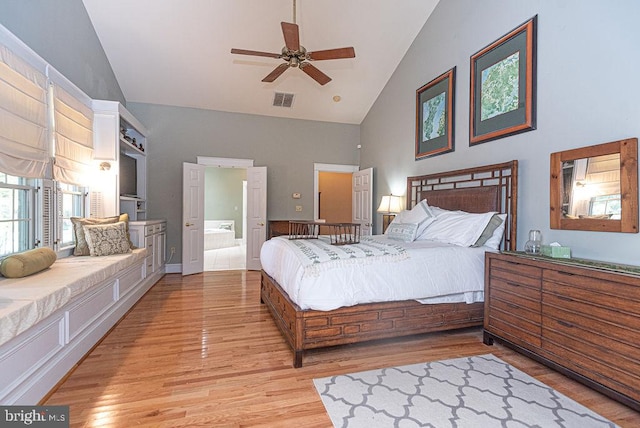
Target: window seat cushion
26	301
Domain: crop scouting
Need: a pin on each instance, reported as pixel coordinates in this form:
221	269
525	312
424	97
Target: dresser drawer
608	322
623	294
599	362
516	331
523	294
516	273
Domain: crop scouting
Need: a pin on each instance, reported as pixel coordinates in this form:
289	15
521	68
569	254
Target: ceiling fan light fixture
295	55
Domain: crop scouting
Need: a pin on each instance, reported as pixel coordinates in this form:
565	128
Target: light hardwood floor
201	351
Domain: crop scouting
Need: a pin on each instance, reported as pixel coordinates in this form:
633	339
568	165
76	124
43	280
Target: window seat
26	301
50	320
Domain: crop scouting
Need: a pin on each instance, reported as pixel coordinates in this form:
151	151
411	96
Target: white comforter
431	272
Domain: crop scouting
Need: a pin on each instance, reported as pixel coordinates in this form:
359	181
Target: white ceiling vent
281	99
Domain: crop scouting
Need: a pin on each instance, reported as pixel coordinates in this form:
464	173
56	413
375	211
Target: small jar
534	244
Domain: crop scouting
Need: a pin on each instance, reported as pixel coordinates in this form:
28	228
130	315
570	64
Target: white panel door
192	218
256	214
361	200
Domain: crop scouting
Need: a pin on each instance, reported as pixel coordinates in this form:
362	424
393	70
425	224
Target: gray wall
60	32
287	147
588	93
223	195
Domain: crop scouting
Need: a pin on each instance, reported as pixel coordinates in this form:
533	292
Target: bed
474	190
219	234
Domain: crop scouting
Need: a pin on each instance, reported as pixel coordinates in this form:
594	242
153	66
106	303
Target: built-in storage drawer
88	308
32	351
512	301
130	278
150	234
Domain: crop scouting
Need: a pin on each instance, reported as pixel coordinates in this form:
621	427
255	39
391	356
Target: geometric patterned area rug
480	391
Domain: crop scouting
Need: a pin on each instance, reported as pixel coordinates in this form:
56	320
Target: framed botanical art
503	86
434	116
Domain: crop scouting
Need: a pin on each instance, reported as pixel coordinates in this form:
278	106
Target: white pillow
458	227
496	239
405	232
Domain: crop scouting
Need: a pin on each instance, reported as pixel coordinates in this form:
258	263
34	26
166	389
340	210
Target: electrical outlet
298	208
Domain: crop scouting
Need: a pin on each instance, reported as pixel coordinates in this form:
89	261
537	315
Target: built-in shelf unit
120	145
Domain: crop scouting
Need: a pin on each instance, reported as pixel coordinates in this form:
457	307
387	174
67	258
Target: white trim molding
225	162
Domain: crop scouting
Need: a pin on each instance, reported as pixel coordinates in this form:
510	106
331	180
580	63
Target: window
72	205
606	205
17	205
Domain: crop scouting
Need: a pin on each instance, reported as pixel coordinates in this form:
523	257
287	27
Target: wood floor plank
201	351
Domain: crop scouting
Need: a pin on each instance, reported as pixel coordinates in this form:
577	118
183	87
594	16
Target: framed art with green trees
503	86
434	116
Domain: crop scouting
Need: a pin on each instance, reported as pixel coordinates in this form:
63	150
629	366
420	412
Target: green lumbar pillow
27	263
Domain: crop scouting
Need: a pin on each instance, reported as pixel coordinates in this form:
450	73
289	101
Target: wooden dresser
579	317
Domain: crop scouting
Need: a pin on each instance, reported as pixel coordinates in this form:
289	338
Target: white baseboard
173	268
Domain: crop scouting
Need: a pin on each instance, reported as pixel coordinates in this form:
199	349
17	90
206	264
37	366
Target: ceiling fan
295	55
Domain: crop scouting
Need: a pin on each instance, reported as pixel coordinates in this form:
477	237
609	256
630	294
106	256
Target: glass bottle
534	244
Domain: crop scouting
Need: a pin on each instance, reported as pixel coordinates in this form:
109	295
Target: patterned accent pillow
82	249
405	232
107	239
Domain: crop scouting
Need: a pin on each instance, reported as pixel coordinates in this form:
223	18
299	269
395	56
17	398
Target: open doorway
225	204
335	196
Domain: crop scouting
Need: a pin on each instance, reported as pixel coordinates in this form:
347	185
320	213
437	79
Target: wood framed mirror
595	188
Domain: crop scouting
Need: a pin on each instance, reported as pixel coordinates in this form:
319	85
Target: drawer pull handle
513	284
512	305
565	324
566	299
566	273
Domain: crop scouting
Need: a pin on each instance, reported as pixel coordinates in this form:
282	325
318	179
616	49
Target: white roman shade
73	148
24	147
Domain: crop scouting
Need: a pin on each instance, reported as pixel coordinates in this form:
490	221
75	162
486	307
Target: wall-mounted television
128	176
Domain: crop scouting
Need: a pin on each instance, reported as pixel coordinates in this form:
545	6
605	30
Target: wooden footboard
309	329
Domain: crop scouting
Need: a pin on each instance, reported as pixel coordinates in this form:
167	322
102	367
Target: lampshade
390	204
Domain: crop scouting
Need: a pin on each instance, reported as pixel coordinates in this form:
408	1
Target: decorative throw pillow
420	215
27	262
225	226
405	232
107	239
82	249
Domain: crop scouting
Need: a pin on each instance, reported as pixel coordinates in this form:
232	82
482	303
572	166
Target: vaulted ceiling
177	52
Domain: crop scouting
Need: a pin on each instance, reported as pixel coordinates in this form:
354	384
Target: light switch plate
298	208
296	196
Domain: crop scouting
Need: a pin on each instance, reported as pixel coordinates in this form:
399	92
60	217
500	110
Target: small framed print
503	86
434	116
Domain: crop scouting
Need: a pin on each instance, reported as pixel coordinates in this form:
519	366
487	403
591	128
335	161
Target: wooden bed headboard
480	189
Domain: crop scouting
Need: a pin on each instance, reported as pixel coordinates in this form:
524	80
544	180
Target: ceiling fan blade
315	74
291	36
276	73
255	53
332	54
